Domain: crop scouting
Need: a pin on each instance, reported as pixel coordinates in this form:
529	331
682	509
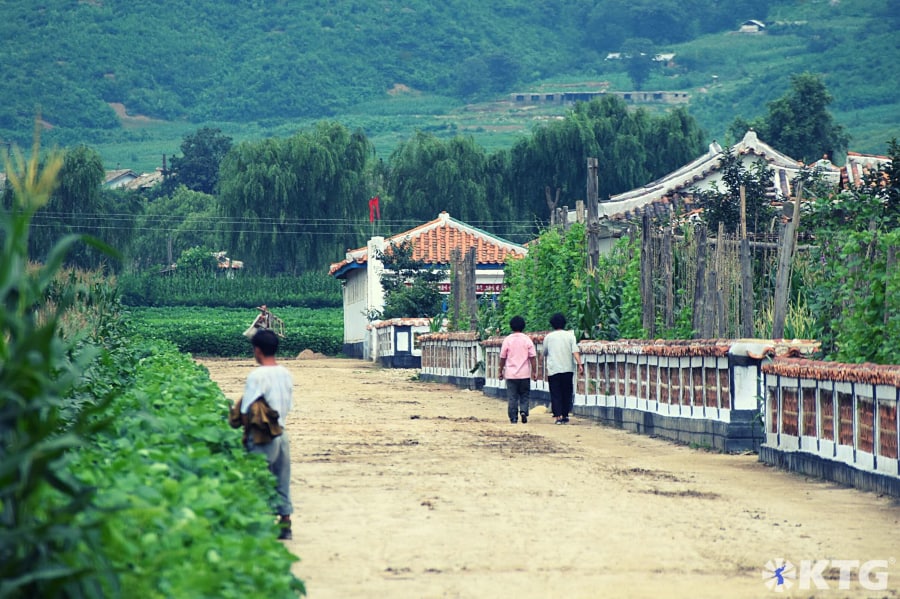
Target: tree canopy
799	124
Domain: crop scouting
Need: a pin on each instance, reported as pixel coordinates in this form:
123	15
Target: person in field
518	366
563	358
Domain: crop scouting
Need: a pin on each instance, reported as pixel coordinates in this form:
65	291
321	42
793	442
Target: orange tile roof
434	241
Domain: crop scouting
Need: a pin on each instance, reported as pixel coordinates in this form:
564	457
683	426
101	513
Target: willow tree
633	147
427	175
75	206
290	205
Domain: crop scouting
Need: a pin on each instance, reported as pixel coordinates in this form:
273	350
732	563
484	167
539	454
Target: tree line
293	205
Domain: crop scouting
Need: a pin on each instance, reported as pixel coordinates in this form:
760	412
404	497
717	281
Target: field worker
561	351
274	383
518	365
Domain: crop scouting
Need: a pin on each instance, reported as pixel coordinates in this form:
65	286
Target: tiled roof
859	166
434	241
674	191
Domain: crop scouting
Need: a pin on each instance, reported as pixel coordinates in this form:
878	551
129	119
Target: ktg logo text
780	574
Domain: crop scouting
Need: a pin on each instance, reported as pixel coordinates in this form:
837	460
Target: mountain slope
270	65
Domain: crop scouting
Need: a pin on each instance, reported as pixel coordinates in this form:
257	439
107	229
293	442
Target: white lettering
866	575
812	574
845	565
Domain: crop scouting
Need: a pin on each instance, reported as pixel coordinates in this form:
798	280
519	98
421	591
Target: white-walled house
433	243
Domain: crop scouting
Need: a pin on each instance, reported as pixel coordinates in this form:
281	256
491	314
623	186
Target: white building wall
355	296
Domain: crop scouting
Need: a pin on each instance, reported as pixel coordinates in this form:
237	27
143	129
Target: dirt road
405	489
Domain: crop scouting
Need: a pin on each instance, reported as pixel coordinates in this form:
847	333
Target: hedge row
184	507
204	331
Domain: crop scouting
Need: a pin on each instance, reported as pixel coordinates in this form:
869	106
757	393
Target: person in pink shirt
518	366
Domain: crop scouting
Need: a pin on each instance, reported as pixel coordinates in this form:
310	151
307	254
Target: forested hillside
273	63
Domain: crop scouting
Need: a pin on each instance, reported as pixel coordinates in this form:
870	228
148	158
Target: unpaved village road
405	489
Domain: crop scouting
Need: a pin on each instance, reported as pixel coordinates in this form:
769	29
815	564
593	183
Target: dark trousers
562	389
518	396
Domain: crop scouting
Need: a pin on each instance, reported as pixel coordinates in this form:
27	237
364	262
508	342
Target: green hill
132	78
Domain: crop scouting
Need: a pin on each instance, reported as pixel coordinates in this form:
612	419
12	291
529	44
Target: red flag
374	210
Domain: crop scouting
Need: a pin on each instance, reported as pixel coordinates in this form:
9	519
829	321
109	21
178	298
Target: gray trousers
518	396
278	456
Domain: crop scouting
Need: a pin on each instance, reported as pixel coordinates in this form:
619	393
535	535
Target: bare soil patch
412	489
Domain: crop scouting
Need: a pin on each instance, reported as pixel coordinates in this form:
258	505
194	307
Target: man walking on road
272	384
518	365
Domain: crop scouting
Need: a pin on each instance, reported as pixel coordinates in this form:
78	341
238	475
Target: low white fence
836	421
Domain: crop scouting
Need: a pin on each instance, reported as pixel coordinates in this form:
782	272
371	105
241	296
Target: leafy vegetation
235	290
410	285
118	474
218	331
852	279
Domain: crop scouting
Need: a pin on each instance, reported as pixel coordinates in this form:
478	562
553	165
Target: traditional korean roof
859	166
675	189
119	177
433	243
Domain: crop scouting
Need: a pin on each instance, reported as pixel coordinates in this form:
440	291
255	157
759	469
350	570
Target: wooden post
785	260
551	204
648	311
579	211
456	291
719	285
665	255
746	273
699	282
593	211
471	299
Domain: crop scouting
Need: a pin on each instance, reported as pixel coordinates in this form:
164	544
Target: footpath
407	489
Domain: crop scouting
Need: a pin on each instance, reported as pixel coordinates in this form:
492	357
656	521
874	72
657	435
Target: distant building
752	26
432	243
119	178
674	192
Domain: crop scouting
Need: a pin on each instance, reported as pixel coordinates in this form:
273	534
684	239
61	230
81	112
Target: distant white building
433	243
752	26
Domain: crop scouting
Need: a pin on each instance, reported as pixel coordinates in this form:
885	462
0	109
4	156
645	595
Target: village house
674	191
752	26
360	271
119	177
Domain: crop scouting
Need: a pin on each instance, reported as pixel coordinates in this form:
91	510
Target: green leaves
218	332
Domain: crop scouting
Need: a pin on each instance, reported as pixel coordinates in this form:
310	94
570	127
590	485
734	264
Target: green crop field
218	332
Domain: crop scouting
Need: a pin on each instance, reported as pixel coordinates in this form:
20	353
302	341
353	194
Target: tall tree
619	138
172	224
74	207
428	175
201	154
799	124
638	57
296	203
723	204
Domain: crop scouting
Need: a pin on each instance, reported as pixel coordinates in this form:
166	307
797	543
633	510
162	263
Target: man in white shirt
273	382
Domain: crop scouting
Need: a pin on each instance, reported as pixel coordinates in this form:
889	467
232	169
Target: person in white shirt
563	357
273	382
